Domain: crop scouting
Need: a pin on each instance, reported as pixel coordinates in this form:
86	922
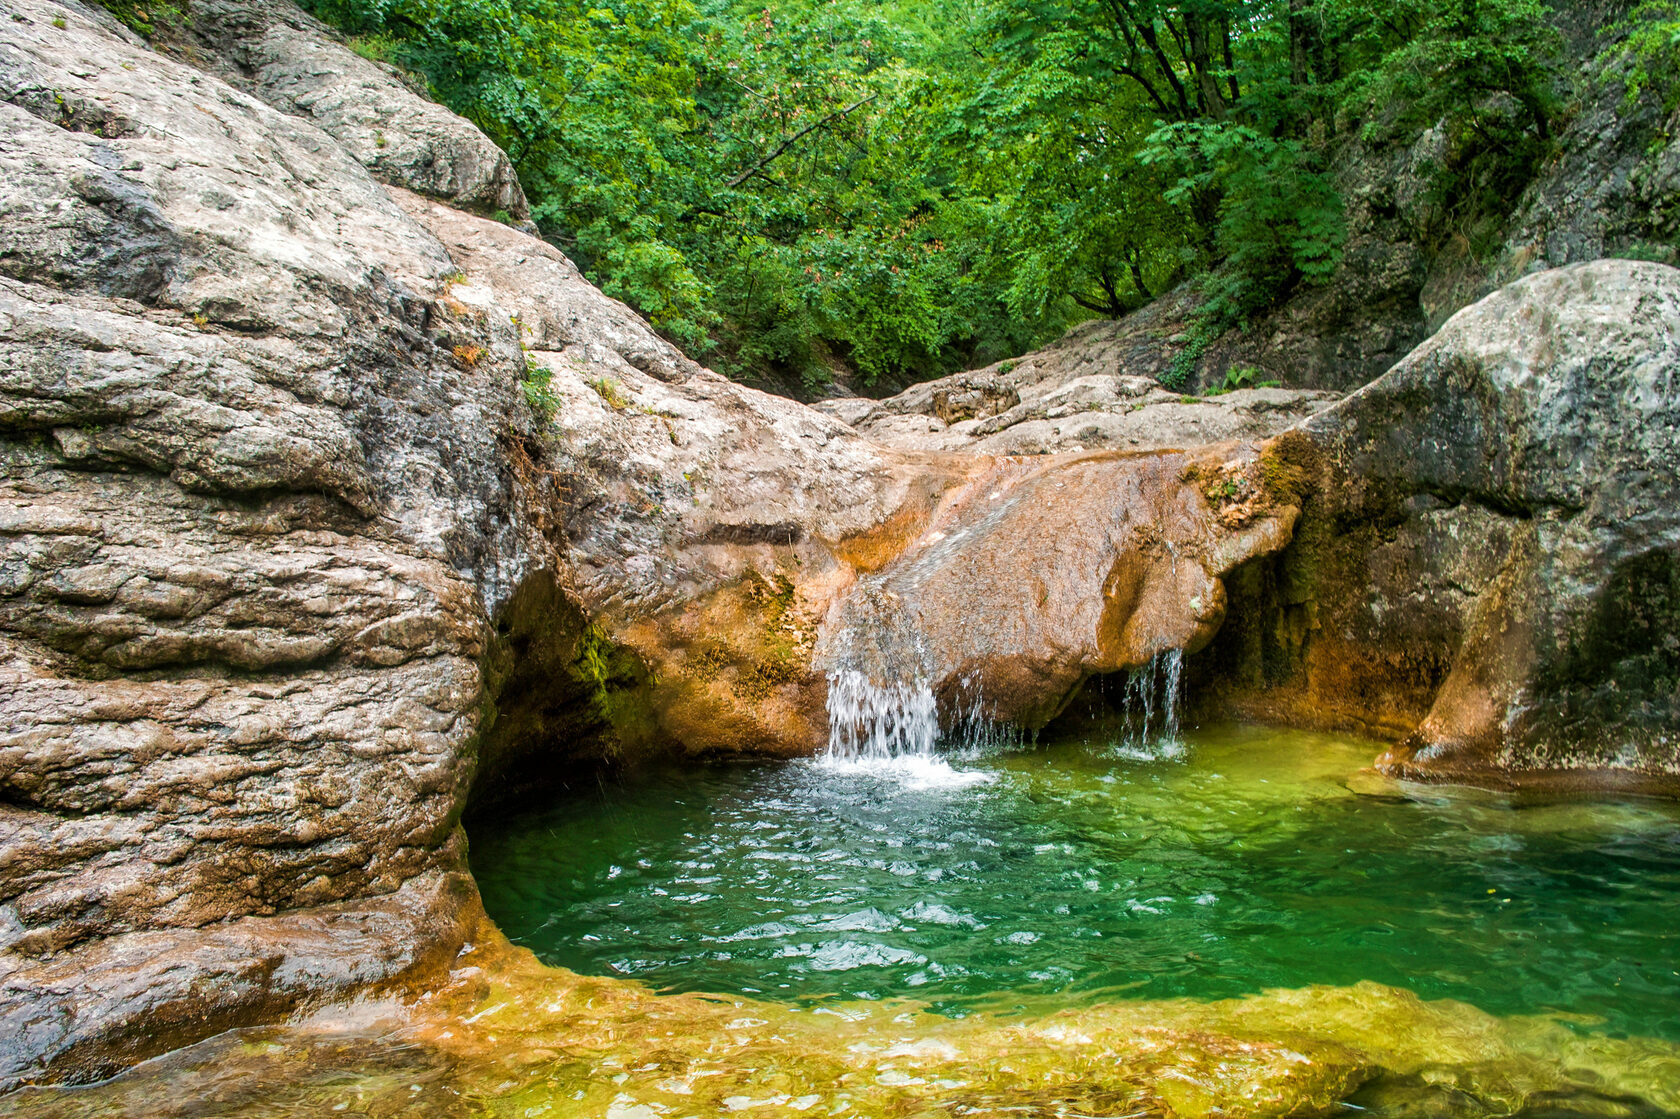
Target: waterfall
883	715
880	692
1149	720
869	720
892	707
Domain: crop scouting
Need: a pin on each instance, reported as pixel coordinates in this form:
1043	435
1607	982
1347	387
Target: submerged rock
507	1036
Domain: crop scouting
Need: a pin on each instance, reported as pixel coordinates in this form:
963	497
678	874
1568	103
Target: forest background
890	190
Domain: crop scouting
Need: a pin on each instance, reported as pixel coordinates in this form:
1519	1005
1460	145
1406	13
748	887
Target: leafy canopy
900	188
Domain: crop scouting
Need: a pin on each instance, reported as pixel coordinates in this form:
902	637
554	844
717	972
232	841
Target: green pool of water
1076	869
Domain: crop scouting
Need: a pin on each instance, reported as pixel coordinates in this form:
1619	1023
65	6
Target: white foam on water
932	913
848	955
916	772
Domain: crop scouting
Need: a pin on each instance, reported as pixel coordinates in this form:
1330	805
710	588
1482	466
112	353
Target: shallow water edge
509	1037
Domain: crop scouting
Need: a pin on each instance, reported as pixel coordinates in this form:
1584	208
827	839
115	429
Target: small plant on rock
610	391
538	386
1238	377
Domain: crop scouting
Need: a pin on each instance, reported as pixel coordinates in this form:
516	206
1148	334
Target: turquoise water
1247	863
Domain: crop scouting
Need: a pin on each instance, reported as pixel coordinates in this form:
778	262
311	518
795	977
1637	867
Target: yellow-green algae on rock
506	1037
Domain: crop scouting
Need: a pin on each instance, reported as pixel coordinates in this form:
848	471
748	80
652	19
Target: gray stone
295	63
1488	566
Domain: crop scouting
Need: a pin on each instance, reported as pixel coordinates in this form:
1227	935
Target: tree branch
782	148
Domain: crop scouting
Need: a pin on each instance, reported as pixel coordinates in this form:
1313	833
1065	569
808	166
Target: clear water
1091	872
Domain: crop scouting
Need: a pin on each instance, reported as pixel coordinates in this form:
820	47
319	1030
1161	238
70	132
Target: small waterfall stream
867	720
883	712
1149	719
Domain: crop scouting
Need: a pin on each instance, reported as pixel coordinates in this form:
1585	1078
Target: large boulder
1488	563
274	51
254	521
1039	574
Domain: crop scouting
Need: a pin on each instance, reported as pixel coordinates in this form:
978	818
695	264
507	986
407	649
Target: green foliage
538	387
1483	73
1644	52
142	17
1240	377
1644	250
901	188
1182	368
1278	221
610	391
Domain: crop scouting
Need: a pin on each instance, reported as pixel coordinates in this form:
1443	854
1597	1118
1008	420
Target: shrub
538	386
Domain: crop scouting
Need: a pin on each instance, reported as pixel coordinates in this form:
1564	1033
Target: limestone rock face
706	527
289	59
285	559
253	521
1488	564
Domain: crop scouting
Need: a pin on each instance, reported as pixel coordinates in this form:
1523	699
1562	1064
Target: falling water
1149	727
869	720
972	732
883	714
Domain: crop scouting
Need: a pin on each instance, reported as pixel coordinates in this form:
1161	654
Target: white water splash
888	730
912	772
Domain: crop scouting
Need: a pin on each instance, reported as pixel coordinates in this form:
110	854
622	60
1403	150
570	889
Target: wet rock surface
331	512
1486	563
1041	574
505	1034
